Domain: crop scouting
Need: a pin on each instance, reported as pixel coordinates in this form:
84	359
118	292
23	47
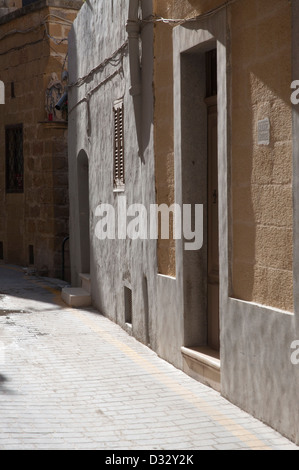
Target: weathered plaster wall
117	264
114	264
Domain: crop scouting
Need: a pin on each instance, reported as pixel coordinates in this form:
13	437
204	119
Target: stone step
85	282
203	364
76	297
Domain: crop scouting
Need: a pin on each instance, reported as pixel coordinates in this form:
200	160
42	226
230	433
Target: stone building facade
33	143
200	93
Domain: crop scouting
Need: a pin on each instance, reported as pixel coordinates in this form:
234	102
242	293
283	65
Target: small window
118	170
12	90
128	305
14	159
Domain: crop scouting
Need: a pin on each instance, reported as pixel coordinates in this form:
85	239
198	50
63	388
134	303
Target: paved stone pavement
72	379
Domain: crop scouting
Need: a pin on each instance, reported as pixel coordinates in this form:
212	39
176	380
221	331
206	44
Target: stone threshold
203	364
78	296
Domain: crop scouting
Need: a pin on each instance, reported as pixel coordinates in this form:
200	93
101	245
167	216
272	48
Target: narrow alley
72	379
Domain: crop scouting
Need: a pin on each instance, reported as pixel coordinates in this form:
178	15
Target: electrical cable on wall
180	21
114	60
120	51
94	90
80	81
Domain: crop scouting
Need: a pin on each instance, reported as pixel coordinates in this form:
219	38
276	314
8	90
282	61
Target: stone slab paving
72	379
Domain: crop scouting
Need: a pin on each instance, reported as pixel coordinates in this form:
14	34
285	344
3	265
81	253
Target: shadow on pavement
16	282
3	388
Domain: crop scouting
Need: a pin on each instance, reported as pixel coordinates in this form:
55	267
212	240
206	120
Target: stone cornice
32	7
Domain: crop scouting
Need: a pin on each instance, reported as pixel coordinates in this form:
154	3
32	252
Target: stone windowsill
54	124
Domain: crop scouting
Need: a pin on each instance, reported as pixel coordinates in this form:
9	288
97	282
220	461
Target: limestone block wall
261	174
6	6
37	218
262	206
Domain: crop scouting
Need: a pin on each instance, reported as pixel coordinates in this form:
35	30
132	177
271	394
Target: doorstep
202	364
76	297
85	281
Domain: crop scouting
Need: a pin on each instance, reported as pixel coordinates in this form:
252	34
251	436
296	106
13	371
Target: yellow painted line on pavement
237	430
228	423
55	292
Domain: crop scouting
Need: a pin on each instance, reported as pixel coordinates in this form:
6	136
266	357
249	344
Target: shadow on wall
262	208
79	180
74	167
262	173
141	71
80	141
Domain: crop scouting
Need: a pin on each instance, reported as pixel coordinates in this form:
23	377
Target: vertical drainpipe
134	31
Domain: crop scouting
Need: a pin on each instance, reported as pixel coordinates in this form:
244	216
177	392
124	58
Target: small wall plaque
263	132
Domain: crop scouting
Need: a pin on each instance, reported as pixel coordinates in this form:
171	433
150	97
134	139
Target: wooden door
213	231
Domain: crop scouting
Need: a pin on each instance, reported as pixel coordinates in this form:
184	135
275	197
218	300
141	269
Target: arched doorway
83	207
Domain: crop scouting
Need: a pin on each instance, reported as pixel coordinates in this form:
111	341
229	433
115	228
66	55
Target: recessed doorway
213	340
199	153
83	203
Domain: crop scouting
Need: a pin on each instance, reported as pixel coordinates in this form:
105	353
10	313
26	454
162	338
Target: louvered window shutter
119	170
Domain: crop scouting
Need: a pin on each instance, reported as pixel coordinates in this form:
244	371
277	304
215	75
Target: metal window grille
119	169
14	159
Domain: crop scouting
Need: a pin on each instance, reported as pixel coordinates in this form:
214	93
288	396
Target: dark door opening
83	195
213	221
